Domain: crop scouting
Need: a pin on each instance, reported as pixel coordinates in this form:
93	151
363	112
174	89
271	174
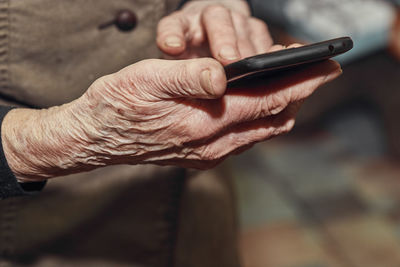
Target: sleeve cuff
9	186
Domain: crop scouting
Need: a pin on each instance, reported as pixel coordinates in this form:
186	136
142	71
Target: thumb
193	78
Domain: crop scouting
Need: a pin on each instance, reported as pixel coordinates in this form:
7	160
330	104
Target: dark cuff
9	186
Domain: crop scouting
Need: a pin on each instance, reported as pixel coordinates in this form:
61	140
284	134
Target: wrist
41	144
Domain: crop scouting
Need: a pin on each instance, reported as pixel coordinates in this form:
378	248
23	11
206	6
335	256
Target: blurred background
328	194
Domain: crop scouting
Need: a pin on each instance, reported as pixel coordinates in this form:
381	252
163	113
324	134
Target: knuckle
112	83
238	142
101	82
206	155
164	21
180	81
239	18
186	78
211	63
212	159
140	71
274	104
264	110
197	130
215	9
243	7
213	155
209	156
145	77
183	133
260	24
173	17
195	133
165	79
146	63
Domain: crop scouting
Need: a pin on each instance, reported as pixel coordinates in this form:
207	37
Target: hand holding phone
286	59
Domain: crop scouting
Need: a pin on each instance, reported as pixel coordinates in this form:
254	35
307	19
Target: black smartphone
286	59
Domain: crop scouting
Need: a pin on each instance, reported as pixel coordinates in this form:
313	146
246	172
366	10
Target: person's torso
50	53
52	50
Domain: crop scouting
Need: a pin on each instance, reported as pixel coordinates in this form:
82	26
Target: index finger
218	24
171	32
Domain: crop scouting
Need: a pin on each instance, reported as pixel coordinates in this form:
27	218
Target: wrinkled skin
222	29
157	111
166	112
191	122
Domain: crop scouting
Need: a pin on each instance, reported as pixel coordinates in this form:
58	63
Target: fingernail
173	41
228	52
205	81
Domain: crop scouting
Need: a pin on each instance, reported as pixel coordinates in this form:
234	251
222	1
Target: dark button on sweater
126	20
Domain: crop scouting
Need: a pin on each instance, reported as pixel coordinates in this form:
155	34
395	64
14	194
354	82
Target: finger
171	31
275	48
246	48
243	136
260	36
165	79
274	95
295	45
241	7
210	152
218	24
279	47
268	99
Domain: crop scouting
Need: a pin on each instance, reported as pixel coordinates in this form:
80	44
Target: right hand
178	112
173	113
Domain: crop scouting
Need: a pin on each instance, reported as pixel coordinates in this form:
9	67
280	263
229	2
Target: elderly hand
156	111
221	29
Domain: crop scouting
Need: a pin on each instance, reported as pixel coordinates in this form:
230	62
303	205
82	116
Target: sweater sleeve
9	186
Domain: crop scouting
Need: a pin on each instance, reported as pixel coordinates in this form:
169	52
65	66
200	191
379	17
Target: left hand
223	29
